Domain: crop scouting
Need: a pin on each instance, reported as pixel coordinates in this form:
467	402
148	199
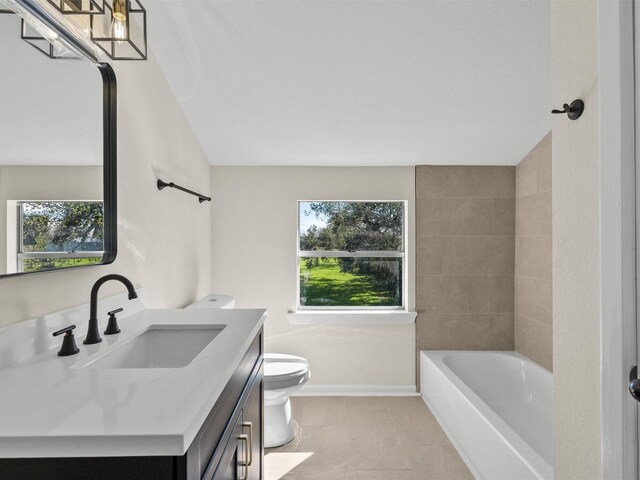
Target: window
59	234
351	255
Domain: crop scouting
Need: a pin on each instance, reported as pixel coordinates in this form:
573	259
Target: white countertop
51	408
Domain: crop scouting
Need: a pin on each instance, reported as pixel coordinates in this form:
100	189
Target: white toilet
283	375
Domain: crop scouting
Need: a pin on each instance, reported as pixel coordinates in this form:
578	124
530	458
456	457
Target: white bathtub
496	408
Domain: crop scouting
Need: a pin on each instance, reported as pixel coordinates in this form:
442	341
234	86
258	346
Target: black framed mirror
58	161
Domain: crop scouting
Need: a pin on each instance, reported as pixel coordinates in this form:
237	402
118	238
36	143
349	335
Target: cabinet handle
244	464
249	425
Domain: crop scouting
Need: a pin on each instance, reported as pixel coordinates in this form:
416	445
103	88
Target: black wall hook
573	111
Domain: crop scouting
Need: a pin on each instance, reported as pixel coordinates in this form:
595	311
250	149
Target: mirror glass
51	157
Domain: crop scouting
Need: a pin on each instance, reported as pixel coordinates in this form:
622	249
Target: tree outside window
351	254
59	234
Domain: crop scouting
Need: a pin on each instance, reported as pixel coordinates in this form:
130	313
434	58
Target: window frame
21	255
402	254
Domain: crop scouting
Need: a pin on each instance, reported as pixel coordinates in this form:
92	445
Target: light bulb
118	29
119	23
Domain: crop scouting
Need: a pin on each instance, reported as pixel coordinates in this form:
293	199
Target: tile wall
483	254
533	298
465	227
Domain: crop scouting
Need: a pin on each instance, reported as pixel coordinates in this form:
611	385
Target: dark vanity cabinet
239	454
229	445
241	458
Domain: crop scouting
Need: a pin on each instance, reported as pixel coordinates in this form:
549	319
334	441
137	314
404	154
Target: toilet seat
284	371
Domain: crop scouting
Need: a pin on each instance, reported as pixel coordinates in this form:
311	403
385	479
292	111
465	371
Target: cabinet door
252	418
234	460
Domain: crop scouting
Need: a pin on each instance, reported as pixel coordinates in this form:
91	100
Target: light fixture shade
121	32
48	46
4	7
79	7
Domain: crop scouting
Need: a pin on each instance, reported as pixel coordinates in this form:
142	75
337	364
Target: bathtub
496	407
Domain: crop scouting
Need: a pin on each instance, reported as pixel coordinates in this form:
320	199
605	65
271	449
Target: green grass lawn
326	285
38	264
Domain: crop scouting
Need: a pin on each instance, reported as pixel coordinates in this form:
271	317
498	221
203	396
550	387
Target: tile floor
365	438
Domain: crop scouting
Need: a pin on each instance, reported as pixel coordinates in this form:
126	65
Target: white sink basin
160	346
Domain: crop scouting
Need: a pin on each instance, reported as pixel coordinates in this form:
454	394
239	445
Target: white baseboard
357	391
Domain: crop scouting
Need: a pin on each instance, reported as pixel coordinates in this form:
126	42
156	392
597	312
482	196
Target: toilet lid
278	366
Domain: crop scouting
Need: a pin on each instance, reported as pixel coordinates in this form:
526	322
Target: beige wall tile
504	216
465	181
430	255
441	181
454	216
534	340
533	292
478	255
442	294
466	255
490	293
544	168
465	293
504	327
533	256
533	214
533	173
496	182
534	298
454	332
465	332
545	143
465	258
527	176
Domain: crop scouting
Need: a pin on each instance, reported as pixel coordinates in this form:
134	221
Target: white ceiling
358	82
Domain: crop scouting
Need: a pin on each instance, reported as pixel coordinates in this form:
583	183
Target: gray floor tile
365	438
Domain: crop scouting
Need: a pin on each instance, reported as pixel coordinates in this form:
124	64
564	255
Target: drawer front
252	423
233	461
206	444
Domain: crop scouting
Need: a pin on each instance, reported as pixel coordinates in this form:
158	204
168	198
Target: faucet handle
112	325
66	330
69	346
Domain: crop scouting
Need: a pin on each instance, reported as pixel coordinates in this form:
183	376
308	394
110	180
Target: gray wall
533	301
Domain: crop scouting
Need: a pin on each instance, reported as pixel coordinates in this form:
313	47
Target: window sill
352	317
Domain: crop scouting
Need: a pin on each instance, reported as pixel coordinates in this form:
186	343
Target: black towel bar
201	198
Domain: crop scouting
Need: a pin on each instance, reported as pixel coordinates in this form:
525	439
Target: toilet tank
214	300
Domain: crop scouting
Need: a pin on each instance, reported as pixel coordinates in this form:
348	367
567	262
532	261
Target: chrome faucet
93	336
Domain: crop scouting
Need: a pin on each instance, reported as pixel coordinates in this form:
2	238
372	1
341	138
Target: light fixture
121	32
79	7
50	45
119	27
4	7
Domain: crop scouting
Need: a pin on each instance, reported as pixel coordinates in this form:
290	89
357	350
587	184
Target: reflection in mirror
51	158
58	234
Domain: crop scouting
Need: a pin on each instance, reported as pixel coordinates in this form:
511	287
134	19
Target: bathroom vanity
177	395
